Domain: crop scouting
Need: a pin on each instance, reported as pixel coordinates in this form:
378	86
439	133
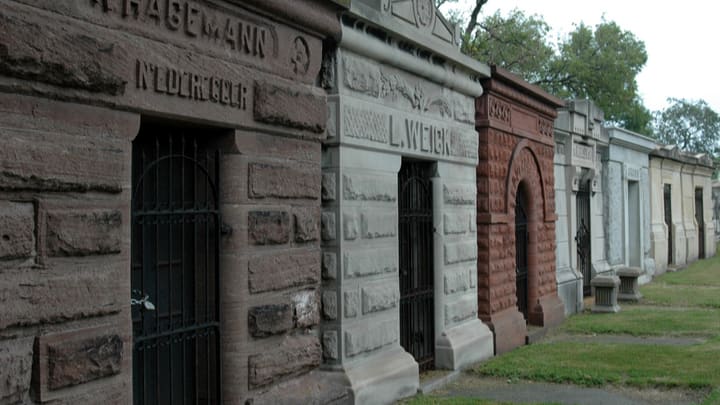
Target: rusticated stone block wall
78	79
64	251
514	120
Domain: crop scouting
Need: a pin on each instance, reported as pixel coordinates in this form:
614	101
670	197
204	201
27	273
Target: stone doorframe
525	171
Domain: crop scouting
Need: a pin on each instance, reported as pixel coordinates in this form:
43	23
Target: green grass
599	364
713	398
648	321
426	400
701	273
659	293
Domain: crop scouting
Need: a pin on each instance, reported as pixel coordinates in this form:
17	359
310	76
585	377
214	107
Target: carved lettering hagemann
199	22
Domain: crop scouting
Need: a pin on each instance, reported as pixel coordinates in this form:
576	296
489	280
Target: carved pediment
424	16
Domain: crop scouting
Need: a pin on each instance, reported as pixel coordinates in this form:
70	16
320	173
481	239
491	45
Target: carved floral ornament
499	110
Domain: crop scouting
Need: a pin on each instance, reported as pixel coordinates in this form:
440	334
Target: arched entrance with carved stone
516	209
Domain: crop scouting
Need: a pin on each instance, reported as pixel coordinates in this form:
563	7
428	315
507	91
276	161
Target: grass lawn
585	364
660	293
681	304
641	320
701	273
426	400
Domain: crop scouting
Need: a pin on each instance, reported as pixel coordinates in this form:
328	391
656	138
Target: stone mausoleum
626	187
516	209
682	229
399	254
160	200
580	143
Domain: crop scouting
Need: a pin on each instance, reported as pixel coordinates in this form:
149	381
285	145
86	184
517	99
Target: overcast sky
681	39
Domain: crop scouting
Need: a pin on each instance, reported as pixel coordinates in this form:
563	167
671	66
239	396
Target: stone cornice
361	38
320	16
515	88
631	140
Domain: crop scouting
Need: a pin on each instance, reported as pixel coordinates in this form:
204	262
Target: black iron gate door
417	325
521	254
700	220
583	236
174	276
667	200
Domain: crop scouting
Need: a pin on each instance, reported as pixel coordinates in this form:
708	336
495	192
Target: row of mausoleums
624	203
242	202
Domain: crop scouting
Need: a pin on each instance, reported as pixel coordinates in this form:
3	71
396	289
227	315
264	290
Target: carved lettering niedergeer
180	83
197	21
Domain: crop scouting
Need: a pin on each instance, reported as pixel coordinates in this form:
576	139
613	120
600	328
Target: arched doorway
521	252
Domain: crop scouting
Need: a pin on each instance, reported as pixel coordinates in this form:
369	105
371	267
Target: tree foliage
600	63
690	124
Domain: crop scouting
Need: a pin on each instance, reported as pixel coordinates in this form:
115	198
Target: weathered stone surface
378	224
327	224
84	233
267	320
16	357
330	345
328	187
360	339
459	194
76	362
350	226
473	277
307	308
268	227
358	187
329	266
351	303
280	271
296	354
66	292
37	160
361	263
455	223
281	181
460	310
30	52
17	230
314	388
460	252
457	280
329	305
293	106
307	225
379	297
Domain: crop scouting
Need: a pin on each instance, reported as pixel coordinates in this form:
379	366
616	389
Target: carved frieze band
499	110
198	22
407	133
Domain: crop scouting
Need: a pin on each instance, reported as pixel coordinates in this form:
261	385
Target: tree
690	124
600	63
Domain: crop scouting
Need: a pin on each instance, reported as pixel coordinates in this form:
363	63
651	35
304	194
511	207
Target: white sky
681	39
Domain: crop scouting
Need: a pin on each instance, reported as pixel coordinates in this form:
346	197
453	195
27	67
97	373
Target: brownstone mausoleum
516	209
136	266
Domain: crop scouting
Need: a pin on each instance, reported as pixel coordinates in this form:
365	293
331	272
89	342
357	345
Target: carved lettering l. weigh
199	22
193	86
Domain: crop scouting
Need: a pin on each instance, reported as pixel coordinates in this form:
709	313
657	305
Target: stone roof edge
673	152
320	16
528	90
403	51
629	139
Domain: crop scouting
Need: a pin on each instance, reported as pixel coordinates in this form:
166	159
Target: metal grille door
667	198
521	254
417	324
583	236
175	244
700	219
